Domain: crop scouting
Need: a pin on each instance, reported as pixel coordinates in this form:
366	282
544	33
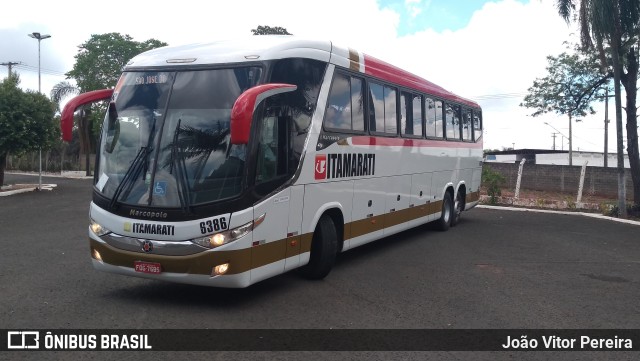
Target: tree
573	83
26	121
99	63
611	29
268	30
100	60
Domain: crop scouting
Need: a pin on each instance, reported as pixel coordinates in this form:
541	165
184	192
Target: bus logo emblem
147	246
321	166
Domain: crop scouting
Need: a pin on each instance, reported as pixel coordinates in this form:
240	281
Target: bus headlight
226	237
98	229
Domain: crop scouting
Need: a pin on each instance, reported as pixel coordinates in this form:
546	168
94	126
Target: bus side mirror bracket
245	106
66	119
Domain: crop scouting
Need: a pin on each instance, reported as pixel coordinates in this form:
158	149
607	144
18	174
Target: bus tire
457	209
444	222
324	249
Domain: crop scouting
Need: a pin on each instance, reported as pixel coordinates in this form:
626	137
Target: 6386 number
213	225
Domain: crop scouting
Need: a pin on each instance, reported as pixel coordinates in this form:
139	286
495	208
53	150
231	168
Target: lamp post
39	37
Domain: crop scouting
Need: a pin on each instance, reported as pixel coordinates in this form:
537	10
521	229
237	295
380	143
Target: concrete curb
45	187
70	174
585	214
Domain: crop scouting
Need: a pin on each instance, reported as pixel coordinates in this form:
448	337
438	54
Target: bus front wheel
444	222
324	248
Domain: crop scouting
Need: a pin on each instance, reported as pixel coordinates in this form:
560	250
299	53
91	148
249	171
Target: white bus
226	163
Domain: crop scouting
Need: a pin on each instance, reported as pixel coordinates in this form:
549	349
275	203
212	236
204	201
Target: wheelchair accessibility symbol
160	188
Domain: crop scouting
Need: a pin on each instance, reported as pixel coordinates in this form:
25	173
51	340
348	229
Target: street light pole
39	37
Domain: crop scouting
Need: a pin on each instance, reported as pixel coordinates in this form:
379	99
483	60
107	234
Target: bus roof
271	47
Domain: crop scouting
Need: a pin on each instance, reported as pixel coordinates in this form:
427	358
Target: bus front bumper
197	269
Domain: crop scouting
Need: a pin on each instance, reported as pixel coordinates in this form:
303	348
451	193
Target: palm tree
616	24
61	91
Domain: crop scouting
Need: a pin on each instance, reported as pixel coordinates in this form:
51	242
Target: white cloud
414	7
502	49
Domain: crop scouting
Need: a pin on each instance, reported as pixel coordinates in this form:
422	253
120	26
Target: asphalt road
496	269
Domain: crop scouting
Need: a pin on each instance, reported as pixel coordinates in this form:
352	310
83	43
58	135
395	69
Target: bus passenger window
357	104
376	117
345	105
477	125
390	112
384	108
467	131
411	114
439	122
453	122
337	114
434	123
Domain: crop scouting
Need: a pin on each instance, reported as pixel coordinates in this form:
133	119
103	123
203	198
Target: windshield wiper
139	162
131	174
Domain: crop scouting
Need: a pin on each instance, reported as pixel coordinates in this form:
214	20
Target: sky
488	51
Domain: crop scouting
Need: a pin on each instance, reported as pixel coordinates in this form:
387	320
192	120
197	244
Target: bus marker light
220	269
259	220
293	243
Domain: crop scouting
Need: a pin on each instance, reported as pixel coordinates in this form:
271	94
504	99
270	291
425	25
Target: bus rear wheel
444	222
324	248
457	209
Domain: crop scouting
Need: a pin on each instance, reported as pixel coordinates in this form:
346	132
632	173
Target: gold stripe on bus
354	60
243	260
398	217
293	246
346	234
305	242
367	225
474	196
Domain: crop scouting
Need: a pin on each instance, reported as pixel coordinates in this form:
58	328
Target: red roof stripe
380	69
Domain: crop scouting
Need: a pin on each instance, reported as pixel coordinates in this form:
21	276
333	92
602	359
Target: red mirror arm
245	105
66	120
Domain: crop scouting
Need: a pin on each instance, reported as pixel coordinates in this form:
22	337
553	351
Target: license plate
147	267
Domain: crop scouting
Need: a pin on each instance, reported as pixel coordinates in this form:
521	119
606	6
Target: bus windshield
165	138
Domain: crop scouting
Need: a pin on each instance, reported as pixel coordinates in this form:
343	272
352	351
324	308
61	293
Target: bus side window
338	114
390	111
434	125
383	105
452	122
357	104
376	107
477	125
267	160
410	114
439	122
272	160
345	105
467	131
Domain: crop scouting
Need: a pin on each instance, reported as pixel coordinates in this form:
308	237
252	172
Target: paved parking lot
497	269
